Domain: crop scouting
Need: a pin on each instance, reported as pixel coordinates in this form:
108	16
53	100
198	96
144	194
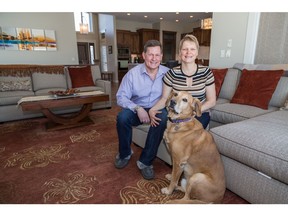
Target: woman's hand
154	121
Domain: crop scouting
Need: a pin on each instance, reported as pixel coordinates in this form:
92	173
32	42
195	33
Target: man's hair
152	43
191	38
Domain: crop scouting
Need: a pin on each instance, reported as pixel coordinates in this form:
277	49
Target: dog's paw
165	191
168	177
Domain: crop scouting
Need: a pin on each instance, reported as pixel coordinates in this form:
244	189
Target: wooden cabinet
128	39
134	43
145	35
203	36
123	38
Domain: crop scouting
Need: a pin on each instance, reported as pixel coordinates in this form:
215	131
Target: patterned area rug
75	166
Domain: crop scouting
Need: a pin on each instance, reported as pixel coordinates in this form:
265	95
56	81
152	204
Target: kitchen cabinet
123	38
203	36
147	34
128	39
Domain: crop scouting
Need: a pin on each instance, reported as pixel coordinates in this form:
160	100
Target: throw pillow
81	76
256	87
219	76
19	85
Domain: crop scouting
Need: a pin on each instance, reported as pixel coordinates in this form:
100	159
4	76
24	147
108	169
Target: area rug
76	166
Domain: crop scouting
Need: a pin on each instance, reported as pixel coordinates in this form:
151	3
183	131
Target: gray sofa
253	142
17	81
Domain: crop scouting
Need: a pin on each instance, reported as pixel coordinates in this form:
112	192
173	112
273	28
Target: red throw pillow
219	76
257	87
81	76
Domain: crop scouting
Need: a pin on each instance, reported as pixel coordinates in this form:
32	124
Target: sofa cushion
81	76
219	76
256	87
226	113
230	84
48	80
12	97
260	143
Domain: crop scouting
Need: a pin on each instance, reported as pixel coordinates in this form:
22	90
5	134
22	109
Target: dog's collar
179	120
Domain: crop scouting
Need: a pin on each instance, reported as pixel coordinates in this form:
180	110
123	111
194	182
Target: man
140	89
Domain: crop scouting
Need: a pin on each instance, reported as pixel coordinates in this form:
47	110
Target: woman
197	80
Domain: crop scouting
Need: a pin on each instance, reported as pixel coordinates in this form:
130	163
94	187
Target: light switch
229	43
222	53
228	53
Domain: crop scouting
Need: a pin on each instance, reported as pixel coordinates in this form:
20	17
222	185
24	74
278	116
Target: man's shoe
121	163
148	173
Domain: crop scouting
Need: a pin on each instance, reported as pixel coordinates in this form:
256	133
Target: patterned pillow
19	85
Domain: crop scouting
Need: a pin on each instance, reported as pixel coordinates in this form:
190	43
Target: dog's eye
185	99
176	94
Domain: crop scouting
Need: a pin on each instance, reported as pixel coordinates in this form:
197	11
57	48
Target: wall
62	23
107	24
228	26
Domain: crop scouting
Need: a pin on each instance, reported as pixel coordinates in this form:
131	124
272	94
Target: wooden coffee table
63	121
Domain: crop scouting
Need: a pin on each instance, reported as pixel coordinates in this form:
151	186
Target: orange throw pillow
257	87
81	76
219	76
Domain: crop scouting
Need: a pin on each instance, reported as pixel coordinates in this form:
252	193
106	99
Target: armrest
106	85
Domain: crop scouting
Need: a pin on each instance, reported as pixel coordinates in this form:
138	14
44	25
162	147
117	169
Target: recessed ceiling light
145	16
177	20
191	16
161	18
177	12
128	14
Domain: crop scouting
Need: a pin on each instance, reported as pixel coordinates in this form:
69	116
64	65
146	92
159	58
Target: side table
107	75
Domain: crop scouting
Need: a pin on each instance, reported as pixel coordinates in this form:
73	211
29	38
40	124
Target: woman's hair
152	43
191	38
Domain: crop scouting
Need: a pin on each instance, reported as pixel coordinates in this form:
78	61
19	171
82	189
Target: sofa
17	81
252	141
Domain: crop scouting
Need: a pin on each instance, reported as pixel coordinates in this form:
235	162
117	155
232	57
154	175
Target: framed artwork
10	38
2	46
27	39
24	37
109	49
39	43
50	40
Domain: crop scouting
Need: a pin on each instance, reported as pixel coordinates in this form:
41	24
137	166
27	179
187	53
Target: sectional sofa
17	81
252	141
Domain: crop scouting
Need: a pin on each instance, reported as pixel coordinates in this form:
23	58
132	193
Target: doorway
169	45
86	53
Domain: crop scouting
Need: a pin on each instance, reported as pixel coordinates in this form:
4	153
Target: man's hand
143	115
154	120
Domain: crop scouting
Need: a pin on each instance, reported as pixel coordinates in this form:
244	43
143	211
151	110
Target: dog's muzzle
172	106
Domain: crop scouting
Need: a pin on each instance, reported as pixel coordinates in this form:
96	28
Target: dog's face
182	105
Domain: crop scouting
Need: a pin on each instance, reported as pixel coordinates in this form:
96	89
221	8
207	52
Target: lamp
83	28
206	23
203	54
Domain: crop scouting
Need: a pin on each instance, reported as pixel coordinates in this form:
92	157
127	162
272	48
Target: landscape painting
39	43
50	40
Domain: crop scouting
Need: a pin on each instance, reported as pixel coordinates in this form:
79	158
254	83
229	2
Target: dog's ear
196	104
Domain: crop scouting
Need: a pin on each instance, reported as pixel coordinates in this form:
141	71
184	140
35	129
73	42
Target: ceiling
154	17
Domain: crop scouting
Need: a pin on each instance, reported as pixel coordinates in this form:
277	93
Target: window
83	17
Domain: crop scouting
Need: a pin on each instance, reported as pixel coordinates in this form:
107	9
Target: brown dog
193	152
